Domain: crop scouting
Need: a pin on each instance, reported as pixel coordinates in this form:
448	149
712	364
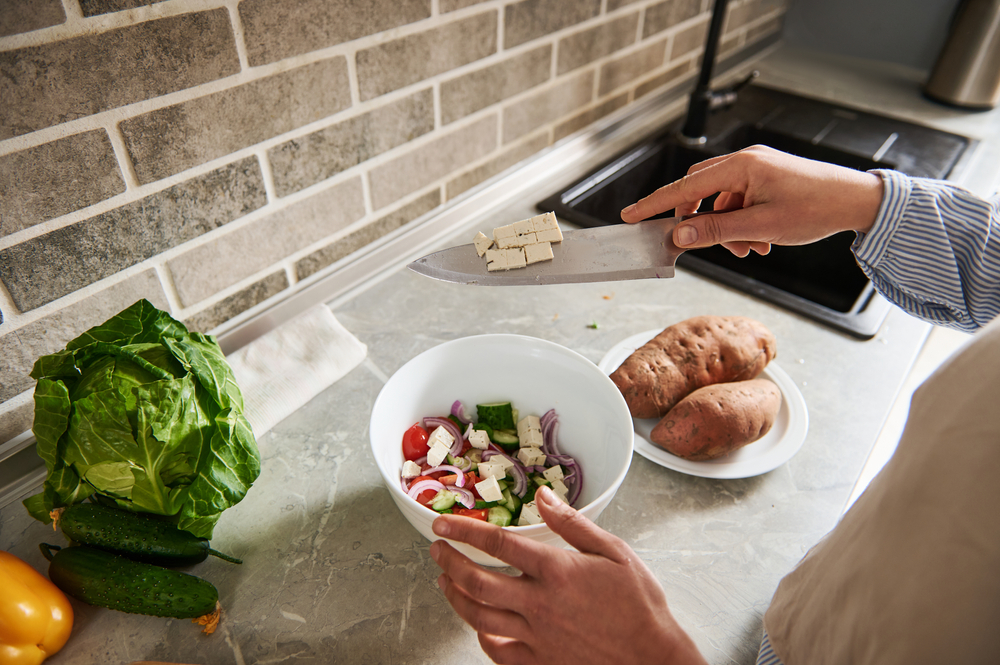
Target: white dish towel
285	368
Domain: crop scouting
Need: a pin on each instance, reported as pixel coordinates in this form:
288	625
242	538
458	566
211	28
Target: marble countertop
334	573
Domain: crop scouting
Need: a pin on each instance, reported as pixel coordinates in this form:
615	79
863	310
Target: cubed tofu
410	469
553	473
492	469
506	242
531	456
549	235
479	439
560	489
515	258
496	259
437	453
526	240
442	435
504	232
529	515
489	489
547	220
538	252
523	227
482	243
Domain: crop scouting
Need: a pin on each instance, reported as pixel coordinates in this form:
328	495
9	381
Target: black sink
821	280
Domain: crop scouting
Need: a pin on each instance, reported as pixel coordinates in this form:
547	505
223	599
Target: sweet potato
716	420
698	352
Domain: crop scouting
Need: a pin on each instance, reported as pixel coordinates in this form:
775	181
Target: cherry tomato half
474	513
415	442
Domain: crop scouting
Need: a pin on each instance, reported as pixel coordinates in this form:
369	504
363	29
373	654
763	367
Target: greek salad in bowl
488	467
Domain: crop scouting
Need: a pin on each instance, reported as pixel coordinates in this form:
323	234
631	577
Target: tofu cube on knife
520	244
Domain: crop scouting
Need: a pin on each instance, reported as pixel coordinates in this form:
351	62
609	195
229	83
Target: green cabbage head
143	414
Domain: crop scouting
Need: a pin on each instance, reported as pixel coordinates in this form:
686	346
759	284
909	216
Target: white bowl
535	375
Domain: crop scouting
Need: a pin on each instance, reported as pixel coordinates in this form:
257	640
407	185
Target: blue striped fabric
932	251
766	655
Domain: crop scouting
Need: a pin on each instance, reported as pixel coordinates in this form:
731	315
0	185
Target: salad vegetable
487	468
142	414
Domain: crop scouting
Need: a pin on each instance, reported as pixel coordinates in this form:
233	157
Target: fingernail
441	527
686	235
435	549
442	581
629	210
548	497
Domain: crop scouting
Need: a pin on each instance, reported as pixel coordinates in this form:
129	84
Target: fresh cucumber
443	500
505	438
498	415
140	537
499	515
108	580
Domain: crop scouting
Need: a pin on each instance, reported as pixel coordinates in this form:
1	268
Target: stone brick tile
277	29
354	241
98	7
673	75
531	19
52	83
211	317
55	178
178	137
667	14
547	106
581	120
688	40
407	60
627	68
765	29
20	348
17	16
304	161
43	269
418	168
741	14
231	257
466	94
592	44
507	158
618	4
445	6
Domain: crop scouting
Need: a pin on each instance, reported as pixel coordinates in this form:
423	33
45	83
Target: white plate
766	454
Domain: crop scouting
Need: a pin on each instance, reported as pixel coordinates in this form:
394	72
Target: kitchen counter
333	572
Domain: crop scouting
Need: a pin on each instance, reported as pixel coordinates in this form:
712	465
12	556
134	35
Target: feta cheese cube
538	252
531	456
492	469
506	461
437	453
410	469
482	243
523	227
532	439
529	515
527	424
442	435
553	473
559	487
489	489
479	439
549	235
515	258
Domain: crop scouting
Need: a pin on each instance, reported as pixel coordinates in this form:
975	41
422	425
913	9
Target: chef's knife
603	254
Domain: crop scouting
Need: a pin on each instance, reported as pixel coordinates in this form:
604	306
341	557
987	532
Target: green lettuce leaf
143	414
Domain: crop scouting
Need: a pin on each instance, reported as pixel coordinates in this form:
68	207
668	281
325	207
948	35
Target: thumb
577	530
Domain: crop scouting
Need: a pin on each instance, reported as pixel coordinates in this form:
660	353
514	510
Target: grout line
238	35
169	287
125	163
73	10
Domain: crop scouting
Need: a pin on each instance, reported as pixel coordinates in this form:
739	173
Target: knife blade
644	250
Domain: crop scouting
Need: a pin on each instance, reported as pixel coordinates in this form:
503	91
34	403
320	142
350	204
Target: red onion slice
458	410
428	484
464	497
451	469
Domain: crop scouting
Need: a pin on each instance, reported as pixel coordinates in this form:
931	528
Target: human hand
598	605
772	198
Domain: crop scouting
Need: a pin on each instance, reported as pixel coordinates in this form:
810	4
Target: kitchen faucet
704	100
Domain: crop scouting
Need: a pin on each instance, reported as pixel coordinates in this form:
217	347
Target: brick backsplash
214	156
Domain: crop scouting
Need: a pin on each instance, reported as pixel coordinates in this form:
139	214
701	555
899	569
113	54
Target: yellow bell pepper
35	616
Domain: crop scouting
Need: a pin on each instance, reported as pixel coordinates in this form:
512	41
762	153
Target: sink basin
821	281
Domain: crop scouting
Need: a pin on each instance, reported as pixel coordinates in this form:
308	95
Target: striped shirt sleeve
932	251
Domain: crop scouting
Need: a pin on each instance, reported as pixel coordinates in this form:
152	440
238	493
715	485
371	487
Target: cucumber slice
499	515
505	437
498	415
443	500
